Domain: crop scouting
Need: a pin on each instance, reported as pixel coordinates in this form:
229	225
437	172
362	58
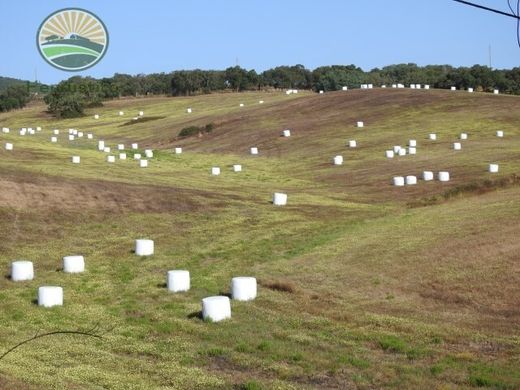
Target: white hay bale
141	113
432	136
427	175
73	264
493	168
370	86
500	133
8	146
453	88
22	270
122	156
417	86
411	180
241	104
101	145
188	110
402	152
216	308
398	181
90	135
111	159
107	149
143	163
412	86
463	136
352	143
495	91
5	130
443	176
294	91
178	150
144	247
412	143
338	160
178	280
30	131
389	154
148	153
121	113
344	88
457	146
135	146
279	199
426	86
400	85
394	85
397	148
38	128
71	131
71	137
49	296
76	159
23	132
120	146
254	150
137	156
260	102
470	90
383	86
237	168
360	124
54	139
96	116
215	171
243	288
80	134
74	131
286	133
412	150
321	91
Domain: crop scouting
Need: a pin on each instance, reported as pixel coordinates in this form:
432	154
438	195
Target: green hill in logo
74	51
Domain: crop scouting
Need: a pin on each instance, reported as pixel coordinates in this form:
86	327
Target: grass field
361	284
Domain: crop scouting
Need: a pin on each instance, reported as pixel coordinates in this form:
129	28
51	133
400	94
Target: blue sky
162	36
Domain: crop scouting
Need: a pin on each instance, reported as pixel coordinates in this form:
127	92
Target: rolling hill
361	284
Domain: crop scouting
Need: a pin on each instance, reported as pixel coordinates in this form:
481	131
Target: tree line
70	97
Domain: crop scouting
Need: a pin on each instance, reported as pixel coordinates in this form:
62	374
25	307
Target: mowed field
361	284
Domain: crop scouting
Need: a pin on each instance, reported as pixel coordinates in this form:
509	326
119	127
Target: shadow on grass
196	314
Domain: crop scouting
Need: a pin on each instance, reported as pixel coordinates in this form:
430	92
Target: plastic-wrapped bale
254	151
141	113
215	171
338	160
55	132
111	159
241	104
389	154
279	199
394	85
432	136
321	91
143	163
237	168
216	308
417	86
360	124
49	296
137	156
397	148
412	143
23	132
188	110
22	270
121	147
495	91
260	102
178	150
76	159
122	156
402	152
453	88
54	139
144	247
148	153
412	86
73	264
107	149
444	176
398	181
90	135
400	86
74	131
121	113
352	143
96	116
71	137
470	90
463	136
8	146
286	133
101	145
178	280
344	88
411	180
500	133
80	134
370	86
426	86
243	288
427	175
493	168
412	150
457	146
135	146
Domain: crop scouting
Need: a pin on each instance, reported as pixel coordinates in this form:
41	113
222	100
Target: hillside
7	81
361	284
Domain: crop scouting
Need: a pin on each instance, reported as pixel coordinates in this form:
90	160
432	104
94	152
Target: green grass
358	287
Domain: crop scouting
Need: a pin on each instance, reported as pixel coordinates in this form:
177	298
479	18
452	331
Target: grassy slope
377	293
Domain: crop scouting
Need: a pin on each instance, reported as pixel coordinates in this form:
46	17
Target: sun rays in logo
72	39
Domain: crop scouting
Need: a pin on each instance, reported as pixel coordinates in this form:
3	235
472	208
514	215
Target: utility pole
490	67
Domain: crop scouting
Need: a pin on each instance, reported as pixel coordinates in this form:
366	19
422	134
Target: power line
512	15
